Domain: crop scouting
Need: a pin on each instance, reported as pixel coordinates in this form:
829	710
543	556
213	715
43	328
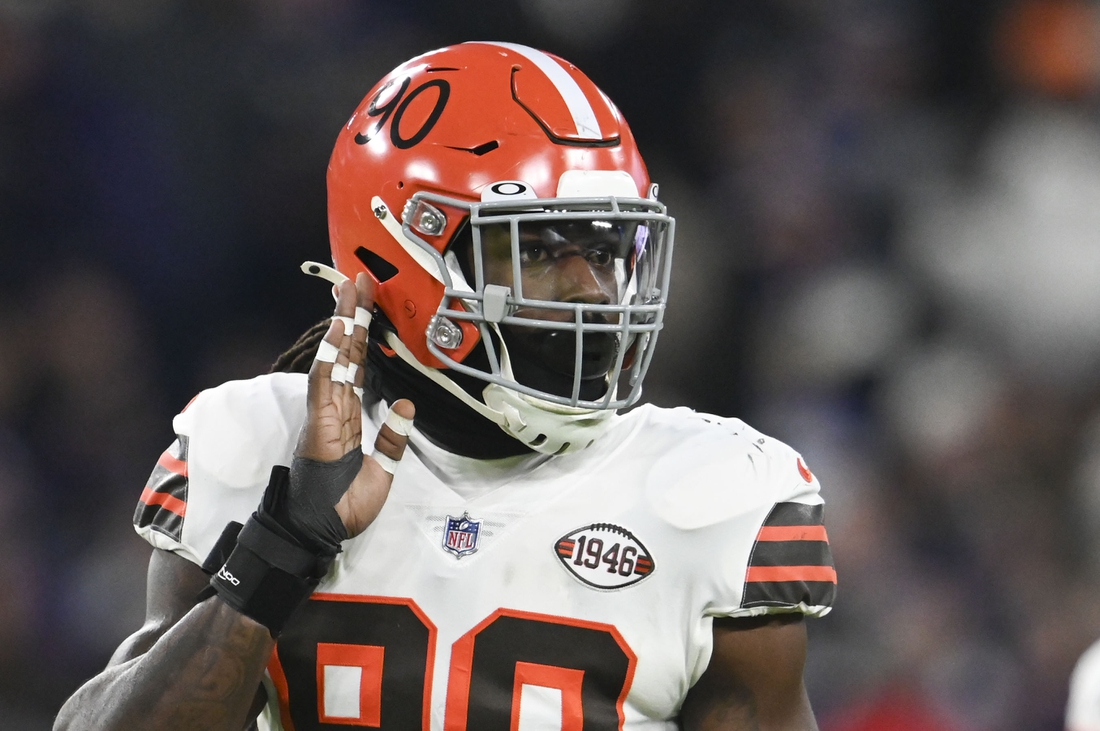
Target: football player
524	557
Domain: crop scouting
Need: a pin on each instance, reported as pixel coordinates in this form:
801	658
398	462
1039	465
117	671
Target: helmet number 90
396	107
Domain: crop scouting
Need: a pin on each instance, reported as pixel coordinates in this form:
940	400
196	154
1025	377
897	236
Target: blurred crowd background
888	256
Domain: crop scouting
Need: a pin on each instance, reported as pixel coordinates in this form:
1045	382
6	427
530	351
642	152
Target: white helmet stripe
579	107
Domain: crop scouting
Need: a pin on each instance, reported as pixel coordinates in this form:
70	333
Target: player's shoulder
259	403
227	440
690	438
239	427
709	468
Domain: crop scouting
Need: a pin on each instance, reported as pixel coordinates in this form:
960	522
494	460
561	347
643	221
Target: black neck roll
441	416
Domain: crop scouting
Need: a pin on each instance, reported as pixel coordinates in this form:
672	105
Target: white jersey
1083	708
532	592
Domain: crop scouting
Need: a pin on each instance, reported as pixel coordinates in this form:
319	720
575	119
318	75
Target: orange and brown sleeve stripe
790	562
163	502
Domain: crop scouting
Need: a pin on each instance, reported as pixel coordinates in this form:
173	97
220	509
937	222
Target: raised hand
336	491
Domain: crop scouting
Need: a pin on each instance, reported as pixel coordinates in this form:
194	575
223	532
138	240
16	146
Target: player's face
577	262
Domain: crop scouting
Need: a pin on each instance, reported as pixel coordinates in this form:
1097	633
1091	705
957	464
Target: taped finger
349	323
362	317
400	425
339	374
326	352
387	463
349	379
401	428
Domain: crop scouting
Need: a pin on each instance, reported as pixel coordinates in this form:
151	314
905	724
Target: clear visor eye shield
575	288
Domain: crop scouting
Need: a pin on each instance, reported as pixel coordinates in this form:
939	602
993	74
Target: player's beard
442	417
546	359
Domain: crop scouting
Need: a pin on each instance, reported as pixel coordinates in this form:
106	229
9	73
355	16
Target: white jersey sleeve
227	440
752	515
1083	708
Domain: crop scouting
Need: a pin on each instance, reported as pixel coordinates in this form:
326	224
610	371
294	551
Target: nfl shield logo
460	535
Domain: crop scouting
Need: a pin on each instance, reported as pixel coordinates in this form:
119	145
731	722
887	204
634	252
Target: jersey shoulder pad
754	510
227	440
236	428
712	469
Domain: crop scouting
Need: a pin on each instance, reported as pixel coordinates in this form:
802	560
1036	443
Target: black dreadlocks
299	357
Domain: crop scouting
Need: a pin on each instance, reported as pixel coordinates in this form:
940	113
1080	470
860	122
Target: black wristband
268	573
256	589
224	546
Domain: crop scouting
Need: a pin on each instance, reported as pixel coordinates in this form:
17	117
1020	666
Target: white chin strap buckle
324	271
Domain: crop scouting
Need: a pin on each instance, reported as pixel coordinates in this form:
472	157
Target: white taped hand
327	353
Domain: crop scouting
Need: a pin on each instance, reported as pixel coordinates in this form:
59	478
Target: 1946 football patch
604	556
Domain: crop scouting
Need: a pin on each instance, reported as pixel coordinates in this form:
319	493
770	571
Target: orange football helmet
460	149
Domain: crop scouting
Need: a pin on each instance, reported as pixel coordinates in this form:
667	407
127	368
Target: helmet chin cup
544	426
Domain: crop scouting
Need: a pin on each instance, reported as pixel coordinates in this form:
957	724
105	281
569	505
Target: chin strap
542	426
395	344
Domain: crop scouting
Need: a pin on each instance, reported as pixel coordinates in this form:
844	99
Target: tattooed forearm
202	674
218	679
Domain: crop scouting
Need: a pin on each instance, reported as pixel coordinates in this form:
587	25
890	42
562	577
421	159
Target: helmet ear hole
381	269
